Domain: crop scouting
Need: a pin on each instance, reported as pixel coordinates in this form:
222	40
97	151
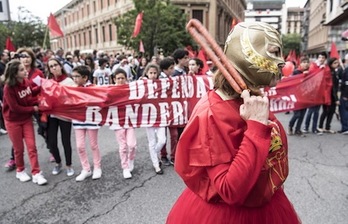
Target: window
101	4
84	39
94	7
87	9
1	9
96	35
198	14
80	44
110	32
103	33
90	36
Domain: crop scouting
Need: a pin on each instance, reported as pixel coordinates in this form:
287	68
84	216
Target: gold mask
254	49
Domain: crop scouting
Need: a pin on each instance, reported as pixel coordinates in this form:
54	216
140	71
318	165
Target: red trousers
17	132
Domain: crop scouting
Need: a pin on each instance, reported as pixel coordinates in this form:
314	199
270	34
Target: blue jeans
298	116
315	112
344	113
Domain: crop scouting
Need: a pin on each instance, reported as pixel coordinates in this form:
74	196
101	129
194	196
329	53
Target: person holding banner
314	111
155	135
329	110
19	105
299	114
80	75
195	67
167	68
233	153
57	73
126	138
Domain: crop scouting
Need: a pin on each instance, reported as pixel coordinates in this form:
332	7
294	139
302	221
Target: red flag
191	52
141	47
54	27
9	45
138	22
334	52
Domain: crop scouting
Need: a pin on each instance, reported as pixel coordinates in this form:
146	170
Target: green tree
291	42
28	31
163	26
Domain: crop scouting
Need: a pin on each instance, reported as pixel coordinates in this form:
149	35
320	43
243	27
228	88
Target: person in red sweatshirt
233	153
20	102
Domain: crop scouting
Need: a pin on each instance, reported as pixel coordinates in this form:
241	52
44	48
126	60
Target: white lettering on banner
175	88
284	103
187	87
200	87
137	90
151	87
148	112
112	118
25	92
93	115
165	87
164	109
131	115
270	92
178	113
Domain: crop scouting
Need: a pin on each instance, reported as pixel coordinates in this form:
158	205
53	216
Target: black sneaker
300	134
172	161
165	161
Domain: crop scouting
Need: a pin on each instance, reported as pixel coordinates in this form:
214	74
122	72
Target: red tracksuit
18	108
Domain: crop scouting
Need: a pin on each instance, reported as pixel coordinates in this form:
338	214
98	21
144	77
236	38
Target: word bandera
164	102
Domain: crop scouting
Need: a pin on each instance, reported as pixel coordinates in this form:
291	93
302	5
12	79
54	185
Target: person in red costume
233	153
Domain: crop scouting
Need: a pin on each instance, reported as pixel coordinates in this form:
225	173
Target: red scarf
60	78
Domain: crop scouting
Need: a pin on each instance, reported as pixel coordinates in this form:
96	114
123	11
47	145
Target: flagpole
44	42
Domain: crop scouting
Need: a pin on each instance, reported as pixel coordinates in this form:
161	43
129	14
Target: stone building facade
88	24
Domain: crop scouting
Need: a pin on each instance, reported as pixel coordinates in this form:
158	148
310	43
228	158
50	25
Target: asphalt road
317	185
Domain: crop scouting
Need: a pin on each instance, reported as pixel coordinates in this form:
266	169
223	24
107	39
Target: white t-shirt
103	76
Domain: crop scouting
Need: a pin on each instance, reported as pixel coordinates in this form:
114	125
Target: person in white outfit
155	135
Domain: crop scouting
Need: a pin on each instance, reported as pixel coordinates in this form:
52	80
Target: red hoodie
19	101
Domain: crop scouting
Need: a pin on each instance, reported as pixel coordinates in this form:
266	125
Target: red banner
165	102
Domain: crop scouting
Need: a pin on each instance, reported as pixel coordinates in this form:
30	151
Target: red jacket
222	158
19	101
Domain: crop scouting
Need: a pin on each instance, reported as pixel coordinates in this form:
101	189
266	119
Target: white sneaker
83	175
97	174
39	179
23	176
3	131
70	171
127	174
131	165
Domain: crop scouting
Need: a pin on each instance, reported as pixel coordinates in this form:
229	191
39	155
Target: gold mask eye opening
274	50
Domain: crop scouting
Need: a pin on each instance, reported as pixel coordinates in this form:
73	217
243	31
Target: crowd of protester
317	119
85	70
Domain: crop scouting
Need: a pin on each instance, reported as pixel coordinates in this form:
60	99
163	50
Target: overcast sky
43	8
